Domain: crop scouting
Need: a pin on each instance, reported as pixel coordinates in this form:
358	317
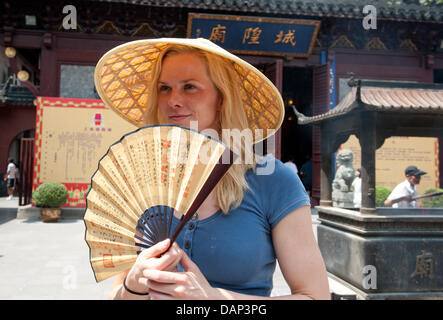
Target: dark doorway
438	76
296	140
15	153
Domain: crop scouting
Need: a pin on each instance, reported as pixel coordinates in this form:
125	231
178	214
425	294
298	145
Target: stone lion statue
341	185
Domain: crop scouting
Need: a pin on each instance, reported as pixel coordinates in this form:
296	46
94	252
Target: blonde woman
251	220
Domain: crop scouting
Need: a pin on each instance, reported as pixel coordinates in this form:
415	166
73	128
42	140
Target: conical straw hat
124	74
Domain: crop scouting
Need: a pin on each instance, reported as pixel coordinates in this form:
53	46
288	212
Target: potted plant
49	197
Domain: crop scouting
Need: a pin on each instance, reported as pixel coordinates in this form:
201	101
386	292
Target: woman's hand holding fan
188	285
157	257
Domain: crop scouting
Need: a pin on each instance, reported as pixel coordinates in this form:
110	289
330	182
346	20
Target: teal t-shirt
234	251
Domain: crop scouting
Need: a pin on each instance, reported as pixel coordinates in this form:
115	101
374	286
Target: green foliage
381	194
434	202
50	195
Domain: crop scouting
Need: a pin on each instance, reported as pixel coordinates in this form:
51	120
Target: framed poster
71	136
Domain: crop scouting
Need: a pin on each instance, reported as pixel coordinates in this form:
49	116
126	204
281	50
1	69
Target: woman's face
186	93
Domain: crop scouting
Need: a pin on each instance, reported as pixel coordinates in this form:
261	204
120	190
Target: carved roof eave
325	8
415	98
333	113
349	103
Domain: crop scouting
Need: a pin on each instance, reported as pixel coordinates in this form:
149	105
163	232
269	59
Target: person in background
403	194
306	174
10	178
291	164
356	187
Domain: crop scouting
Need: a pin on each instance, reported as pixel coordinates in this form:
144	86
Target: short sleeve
281	190
399	191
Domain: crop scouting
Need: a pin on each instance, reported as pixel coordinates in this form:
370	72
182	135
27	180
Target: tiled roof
18	95
332	8
387	96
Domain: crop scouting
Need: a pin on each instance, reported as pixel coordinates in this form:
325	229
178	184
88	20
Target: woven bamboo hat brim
123	78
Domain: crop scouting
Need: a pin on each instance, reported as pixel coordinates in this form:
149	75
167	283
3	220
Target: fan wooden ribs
154	225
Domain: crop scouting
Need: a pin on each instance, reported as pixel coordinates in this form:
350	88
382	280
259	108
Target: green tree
381	194
433	202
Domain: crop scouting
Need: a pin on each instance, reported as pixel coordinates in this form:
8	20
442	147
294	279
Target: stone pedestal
394	254
343	199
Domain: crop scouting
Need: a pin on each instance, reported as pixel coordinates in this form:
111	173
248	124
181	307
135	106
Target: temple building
50	49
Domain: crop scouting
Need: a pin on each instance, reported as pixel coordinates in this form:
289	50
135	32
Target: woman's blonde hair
230	190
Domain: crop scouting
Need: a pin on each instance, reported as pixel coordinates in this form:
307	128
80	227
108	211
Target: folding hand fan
143	180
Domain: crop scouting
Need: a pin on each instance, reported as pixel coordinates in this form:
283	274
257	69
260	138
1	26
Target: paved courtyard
51	260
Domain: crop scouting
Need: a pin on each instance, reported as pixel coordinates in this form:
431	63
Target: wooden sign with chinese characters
70	138
255	35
